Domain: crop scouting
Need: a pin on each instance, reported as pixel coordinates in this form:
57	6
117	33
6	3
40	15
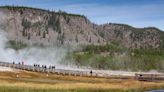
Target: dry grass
41	81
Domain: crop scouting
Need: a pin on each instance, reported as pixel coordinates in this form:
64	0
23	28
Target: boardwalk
49	70
149	77
137	76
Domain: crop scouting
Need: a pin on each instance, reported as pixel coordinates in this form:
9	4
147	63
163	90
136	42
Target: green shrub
120	58
16	45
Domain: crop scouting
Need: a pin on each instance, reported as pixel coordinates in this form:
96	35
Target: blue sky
138	13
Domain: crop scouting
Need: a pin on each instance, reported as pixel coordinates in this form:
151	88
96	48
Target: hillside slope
42	27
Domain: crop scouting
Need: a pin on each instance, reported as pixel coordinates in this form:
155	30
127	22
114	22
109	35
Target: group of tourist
45	66
20	63
37	65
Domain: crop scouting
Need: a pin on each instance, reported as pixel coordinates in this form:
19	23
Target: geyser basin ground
32	82
5	69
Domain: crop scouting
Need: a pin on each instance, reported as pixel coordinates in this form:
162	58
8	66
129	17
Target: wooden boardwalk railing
49	70
137	76
149	77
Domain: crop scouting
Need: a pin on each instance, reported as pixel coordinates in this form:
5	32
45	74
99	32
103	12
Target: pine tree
24	32
98	40
90	40
77	39
39	33
62	38
44	34
29	36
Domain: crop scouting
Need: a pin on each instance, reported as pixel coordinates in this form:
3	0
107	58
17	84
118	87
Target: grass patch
116	57
82	84
16	45
17	89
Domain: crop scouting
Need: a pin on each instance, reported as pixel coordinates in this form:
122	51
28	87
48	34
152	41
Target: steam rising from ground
45	56
30	55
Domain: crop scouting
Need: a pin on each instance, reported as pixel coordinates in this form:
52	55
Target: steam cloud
46	56
31	55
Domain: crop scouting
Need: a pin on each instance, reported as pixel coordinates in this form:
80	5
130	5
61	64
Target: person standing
91	72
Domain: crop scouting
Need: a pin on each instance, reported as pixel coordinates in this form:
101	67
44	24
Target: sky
137	13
